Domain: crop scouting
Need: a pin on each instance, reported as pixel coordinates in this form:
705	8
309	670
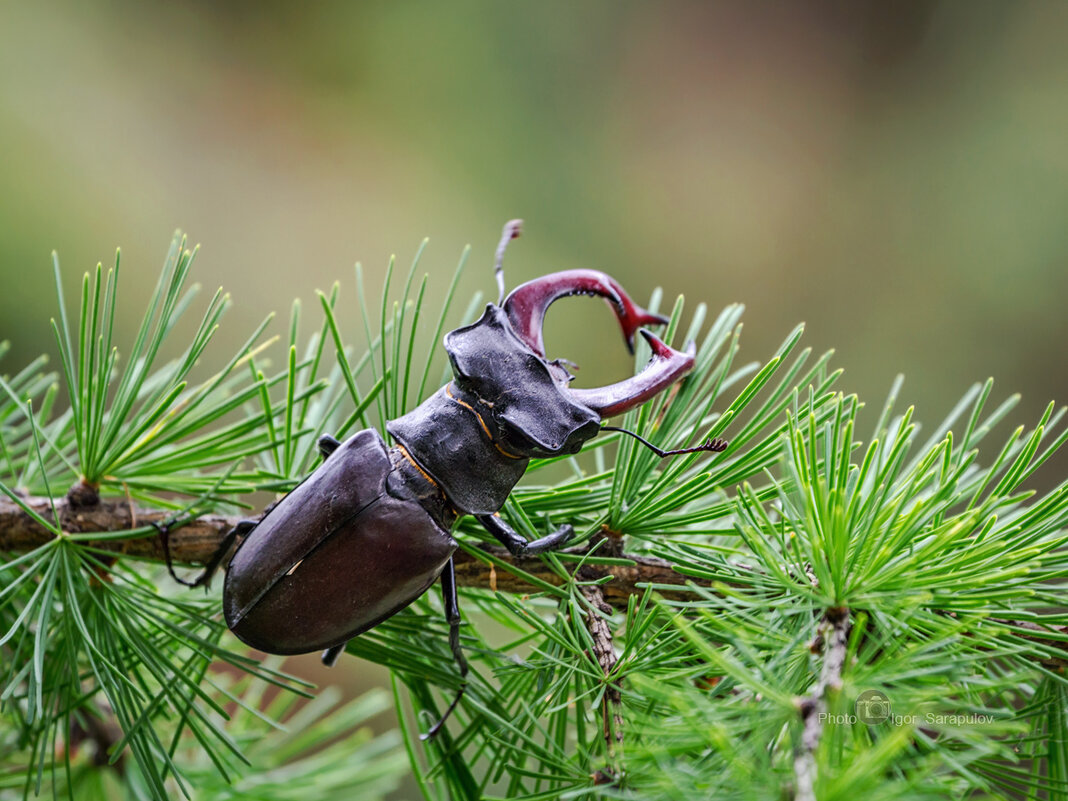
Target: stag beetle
369	531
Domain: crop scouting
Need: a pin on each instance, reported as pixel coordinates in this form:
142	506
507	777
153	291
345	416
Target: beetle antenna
512	230
716	445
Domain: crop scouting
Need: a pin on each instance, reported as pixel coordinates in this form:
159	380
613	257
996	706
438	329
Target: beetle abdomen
335	557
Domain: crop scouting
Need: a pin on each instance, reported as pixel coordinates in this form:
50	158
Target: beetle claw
550	542
432	732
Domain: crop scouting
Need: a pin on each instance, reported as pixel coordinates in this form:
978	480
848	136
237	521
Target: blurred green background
895	175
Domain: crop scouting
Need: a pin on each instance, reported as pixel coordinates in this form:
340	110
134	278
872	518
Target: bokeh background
893	174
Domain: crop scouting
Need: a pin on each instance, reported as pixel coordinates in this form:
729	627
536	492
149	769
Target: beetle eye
511	438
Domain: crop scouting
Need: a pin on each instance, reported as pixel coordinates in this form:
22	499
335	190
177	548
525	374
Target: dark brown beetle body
356	519
369	531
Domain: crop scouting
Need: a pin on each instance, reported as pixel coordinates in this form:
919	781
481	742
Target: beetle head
500	361
521	397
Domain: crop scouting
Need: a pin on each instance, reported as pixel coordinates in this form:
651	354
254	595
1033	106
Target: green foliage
944	565
82	630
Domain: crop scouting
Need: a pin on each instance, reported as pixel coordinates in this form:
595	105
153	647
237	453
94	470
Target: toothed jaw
666	366
526	304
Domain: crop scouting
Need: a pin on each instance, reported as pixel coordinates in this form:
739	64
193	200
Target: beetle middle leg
516	545
327	445
452	615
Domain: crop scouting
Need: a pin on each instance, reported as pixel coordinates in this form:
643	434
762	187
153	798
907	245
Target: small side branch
98	727
612	701
834	637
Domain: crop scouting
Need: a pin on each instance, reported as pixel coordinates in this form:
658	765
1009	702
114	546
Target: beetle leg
243	527
665	368
527	303
327	445
516	545
331	654
452	614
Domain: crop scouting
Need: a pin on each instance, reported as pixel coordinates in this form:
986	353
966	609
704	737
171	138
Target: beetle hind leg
331	654
516	545
242	528
452	615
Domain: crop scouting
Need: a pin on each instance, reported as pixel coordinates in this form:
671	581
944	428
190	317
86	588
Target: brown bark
831	645
197	541
605	654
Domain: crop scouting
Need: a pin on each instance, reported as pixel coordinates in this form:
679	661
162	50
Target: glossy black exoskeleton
369	531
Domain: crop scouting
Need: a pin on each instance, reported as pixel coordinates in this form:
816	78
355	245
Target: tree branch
197	541
832	641
605	655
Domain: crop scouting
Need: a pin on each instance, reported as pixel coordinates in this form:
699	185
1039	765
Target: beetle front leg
452	614
516	545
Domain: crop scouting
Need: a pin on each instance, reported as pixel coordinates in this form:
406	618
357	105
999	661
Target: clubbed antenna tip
512	230
717	445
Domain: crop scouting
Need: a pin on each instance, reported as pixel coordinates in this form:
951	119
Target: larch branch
197	541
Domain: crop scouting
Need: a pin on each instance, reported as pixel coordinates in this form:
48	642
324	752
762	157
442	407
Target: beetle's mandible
368	532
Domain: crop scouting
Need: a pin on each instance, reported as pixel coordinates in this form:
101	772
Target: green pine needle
933	546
